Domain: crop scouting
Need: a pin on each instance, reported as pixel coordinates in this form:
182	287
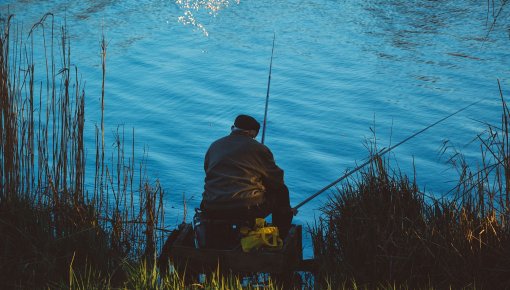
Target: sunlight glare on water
189	7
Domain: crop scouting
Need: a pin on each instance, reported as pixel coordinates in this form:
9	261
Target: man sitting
242	182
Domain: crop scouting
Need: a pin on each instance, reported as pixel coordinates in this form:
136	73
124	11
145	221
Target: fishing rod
377	155
267	95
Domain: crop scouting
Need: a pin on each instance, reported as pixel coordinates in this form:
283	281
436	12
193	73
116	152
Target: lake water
180	71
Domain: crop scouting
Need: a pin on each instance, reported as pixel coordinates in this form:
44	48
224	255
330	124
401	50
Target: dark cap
246	122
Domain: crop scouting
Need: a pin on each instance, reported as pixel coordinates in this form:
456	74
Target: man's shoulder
240	139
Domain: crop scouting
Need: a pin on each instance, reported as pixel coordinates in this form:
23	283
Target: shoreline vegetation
378	231
53	228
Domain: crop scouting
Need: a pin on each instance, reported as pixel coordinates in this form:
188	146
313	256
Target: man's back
237	168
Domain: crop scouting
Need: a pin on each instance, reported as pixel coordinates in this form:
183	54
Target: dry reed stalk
97	229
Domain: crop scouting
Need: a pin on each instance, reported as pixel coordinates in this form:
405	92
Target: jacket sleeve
206	161
273	179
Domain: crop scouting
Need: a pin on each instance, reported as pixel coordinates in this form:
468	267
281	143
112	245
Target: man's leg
282	213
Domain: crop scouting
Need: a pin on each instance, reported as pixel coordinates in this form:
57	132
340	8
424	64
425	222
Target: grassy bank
378	231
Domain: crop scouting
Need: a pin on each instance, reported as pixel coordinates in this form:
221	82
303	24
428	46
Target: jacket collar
240	132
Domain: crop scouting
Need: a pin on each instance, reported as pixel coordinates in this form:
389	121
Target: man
242	180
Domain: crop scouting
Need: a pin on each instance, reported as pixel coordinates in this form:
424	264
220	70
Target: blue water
179	74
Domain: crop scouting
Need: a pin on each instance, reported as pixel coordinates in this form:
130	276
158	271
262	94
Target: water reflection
193	9
94	7
426	34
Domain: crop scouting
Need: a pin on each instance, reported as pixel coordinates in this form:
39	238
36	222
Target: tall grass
379	229
48	218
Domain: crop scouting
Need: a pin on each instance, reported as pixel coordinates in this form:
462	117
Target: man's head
248	124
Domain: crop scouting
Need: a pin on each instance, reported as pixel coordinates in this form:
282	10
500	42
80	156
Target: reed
379	229
48	218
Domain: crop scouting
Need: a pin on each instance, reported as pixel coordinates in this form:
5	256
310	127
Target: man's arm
273	178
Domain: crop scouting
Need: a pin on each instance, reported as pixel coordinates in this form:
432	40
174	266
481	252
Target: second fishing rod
378	155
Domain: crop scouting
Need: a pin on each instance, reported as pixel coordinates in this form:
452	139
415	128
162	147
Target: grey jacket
240	172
